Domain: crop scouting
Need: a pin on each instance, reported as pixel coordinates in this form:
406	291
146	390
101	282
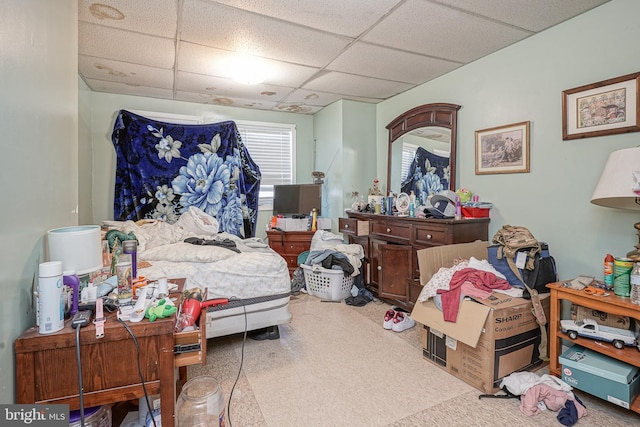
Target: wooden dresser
390	244
290	244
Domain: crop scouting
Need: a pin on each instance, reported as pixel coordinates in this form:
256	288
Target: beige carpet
334	365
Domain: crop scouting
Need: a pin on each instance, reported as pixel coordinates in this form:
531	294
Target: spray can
50	297
608	271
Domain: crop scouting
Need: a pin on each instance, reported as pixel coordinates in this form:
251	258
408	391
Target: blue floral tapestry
428	174
163	168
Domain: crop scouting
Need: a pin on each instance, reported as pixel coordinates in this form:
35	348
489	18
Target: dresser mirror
422	150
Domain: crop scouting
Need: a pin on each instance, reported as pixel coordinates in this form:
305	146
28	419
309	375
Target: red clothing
483	280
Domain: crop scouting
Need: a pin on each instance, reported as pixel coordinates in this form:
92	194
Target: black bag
543	268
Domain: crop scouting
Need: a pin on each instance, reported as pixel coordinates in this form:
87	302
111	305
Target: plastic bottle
314	219
458	214
608	271
71	280
50	297
389	209
634	281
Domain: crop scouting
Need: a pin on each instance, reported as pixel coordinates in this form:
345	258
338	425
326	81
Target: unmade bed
246	271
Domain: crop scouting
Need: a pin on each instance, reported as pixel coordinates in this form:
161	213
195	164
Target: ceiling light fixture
247	70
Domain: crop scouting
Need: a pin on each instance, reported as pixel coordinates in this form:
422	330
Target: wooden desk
47	371
611	304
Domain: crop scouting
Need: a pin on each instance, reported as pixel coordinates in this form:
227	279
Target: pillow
198	222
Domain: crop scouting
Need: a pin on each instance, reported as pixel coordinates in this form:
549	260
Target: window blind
272	148
408	153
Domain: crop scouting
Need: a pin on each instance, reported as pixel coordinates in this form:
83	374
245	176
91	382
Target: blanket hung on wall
164	168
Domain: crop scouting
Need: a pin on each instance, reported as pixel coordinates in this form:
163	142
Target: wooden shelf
611	304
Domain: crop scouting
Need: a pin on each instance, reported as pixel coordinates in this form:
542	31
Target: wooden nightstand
290	244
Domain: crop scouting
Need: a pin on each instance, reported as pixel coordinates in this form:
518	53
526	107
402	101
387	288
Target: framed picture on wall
608	107
503	149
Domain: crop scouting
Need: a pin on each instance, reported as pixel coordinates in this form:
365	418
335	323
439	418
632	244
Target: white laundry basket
327	284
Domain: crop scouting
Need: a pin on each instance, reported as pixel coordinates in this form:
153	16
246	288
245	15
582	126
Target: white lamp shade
79	248
616	184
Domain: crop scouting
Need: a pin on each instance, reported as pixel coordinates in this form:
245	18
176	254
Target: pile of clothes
472	277
542	392
328	251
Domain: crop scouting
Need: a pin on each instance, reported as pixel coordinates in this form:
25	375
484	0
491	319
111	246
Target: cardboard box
302	224
606	319
600	375
491	338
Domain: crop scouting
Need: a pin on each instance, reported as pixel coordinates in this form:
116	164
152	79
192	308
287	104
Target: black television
297	200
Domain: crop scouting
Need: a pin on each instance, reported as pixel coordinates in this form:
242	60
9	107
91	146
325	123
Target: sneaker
402	322
388	318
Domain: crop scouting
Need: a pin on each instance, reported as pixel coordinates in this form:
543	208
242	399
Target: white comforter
256	271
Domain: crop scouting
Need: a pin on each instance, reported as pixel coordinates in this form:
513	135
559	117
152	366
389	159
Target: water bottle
130	247
634	281
50	297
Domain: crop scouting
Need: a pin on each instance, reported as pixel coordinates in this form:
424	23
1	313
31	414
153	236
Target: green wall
39	122
524	82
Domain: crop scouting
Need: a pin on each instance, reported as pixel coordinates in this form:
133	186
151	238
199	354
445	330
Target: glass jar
98	416
201	403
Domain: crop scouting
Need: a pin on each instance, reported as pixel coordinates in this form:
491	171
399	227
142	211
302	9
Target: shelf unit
611	304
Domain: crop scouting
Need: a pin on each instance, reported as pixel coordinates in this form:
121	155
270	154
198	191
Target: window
272	148
408	153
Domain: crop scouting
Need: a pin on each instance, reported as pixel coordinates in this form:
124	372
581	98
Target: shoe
270	333
402	322
387	323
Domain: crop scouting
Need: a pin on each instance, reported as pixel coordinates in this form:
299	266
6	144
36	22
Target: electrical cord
244	339
144	388
80	386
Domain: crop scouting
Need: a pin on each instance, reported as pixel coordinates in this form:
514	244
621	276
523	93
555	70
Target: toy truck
589	328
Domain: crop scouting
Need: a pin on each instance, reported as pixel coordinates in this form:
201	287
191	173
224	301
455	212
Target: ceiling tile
397	65
225	101
220	86
206	60
311	97
299	108
349	84
228	28
155	17
350	18
127	89
123	72
434	30
125	46
531	15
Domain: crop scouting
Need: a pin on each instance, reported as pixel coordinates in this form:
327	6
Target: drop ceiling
311	52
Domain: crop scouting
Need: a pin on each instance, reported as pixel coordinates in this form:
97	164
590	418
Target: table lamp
619	186
79	248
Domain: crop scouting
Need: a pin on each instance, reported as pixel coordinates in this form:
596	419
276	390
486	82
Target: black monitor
297	200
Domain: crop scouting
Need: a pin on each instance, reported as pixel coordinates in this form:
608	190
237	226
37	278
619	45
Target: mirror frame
438	114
